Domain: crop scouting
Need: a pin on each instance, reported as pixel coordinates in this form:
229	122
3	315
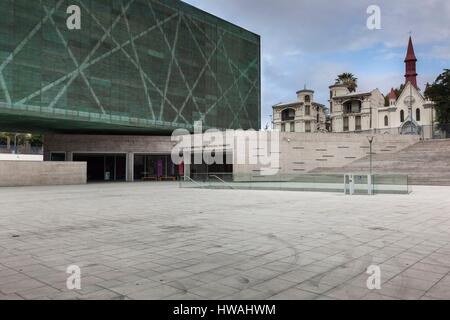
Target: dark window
353	106
417	114
58	156
386	121
283	127
154	167
307	99
307	126
345	123
402	116
287	115
358	123
307	110
292	124
104	167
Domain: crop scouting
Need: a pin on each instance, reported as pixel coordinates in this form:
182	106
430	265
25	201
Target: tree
7	138
349	80
36	140
439	92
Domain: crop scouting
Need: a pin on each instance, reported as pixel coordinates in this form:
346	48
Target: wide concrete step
427	163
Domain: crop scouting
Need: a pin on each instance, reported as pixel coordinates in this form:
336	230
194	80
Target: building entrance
203	171
155	168
104	167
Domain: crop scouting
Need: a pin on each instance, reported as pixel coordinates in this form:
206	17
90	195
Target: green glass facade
134	66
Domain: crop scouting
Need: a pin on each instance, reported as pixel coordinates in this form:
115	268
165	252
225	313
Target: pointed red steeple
410	64
410	55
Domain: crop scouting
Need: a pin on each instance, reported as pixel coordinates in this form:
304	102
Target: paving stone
347	292
403	293
213	291
440	291
221	244
248	294
294	294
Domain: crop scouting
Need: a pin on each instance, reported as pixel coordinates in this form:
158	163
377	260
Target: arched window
307	99
402	116
417	114
386	121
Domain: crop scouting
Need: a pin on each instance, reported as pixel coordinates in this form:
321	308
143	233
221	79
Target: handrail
223	181
192	180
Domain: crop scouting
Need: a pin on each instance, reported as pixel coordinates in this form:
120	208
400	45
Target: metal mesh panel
142	64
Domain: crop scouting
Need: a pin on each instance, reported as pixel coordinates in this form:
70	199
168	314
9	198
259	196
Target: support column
69	156
130	167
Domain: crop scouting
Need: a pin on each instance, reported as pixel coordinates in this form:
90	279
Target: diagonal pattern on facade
135	63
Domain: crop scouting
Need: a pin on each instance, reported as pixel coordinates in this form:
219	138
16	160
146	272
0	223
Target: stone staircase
427	163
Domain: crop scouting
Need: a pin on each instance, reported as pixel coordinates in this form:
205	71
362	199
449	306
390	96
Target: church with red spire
403	111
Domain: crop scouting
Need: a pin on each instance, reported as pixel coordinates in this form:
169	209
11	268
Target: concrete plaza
156	241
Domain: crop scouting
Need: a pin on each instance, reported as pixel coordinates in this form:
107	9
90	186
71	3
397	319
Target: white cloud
439	52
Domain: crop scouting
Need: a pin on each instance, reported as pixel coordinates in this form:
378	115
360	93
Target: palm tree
5	139
349	80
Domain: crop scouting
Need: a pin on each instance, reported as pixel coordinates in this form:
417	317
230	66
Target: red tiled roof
392	95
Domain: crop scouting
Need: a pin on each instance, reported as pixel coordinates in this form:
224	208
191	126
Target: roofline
338	85
288	104
305	90
354	95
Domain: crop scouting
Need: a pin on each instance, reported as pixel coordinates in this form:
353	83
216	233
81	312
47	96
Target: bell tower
410	64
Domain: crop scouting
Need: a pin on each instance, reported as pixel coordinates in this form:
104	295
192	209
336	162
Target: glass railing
337	183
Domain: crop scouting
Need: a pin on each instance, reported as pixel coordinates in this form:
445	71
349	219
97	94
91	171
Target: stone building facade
303	115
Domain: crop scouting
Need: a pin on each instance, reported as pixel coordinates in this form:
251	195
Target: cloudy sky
311	41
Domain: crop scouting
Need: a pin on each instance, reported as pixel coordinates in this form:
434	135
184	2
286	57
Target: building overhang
287	104
353	95
10	122
338	85
305	91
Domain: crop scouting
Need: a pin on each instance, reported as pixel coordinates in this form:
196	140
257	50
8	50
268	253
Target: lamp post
370	155
371	165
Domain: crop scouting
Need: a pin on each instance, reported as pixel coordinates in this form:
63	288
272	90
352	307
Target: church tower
410	64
